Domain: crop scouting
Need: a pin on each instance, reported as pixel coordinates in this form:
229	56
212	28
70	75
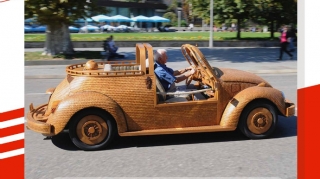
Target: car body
98	100
123	28
108	28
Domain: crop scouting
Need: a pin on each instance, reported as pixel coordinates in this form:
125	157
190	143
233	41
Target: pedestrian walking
284	43
291	38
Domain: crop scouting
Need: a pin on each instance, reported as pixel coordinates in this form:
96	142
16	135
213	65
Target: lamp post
85	20
179	18
211	24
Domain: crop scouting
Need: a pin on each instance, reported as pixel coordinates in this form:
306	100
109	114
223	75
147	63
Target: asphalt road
223	154
256	60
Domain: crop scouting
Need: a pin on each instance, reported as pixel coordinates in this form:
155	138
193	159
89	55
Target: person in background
190	27
284	43
113	48
291	38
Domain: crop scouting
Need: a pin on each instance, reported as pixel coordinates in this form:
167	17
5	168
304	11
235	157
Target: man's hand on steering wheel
189	68
192	71
190	77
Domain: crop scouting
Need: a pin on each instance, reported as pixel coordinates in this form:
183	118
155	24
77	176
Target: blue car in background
42	29
73	29
28	29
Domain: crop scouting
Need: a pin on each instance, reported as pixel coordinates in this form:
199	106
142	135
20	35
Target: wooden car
98	100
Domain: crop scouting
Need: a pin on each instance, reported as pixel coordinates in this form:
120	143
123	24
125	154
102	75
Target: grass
160	36
79	55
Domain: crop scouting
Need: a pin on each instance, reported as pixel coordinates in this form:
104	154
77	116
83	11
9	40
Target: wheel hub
259	120
92	130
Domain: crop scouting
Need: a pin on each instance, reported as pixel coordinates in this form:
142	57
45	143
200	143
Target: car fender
81	100
235	106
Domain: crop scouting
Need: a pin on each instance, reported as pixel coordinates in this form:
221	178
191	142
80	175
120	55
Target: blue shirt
165	75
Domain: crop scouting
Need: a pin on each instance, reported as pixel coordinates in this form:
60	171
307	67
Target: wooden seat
163	96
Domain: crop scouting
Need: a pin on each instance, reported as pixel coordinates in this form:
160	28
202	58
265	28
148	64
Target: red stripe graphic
308	132
12	167
12	114
19	144
12	130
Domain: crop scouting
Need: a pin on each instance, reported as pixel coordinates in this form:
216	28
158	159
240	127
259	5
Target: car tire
92	129
258	120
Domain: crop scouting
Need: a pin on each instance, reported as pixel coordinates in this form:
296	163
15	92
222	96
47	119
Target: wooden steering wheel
195	76
196	59
186	51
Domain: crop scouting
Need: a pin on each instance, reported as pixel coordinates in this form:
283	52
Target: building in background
130	8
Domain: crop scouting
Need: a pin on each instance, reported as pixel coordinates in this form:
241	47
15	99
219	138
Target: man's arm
184	76
182	71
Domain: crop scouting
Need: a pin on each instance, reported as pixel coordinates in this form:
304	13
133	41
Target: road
223	154
256	60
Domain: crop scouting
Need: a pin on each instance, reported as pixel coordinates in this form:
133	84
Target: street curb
171	43
53	62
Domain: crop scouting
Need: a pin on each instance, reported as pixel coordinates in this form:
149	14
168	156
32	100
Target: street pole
211	24
86	22
179	18
86	25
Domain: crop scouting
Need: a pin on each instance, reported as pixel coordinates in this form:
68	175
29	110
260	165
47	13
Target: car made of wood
98	100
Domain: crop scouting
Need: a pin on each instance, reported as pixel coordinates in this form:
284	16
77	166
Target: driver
166	75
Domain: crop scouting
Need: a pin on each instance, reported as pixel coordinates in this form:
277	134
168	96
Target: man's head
160	56
111	37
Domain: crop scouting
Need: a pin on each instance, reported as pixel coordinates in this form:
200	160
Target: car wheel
92	129
258	120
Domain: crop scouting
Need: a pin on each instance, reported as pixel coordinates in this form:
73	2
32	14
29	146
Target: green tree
233	9
201	9
224	10
274	13
171	13
186	9
58	15
173	18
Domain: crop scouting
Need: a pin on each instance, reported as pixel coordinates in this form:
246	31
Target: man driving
167	76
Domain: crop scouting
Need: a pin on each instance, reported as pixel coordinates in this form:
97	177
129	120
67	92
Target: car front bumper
36	120
290	108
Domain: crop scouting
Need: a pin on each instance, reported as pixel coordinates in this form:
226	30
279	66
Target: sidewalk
254	60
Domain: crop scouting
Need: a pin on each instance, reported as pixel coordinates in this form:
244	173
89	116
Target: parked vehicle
98	100
73	29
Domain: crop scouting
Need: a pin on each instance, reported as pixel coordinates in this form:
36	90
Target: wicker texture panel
84	99
233	75
233	110
138	103
61	91
232	88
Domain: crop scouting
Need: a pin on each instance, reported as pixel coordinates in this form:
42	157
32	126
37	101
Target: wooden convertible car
98	100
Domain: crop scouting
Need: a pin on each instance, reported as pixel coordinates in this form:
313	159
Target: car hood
234	75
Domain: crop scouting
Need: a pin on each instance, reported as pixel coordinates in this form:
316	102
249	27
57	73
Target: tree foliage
233	9
275	13
187	13
53	12
265	12
201	9
173	18
57	15
171	13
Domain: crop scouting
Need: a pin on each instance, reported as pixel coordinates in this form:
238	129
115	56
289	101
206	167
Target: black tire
258	120
100	124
